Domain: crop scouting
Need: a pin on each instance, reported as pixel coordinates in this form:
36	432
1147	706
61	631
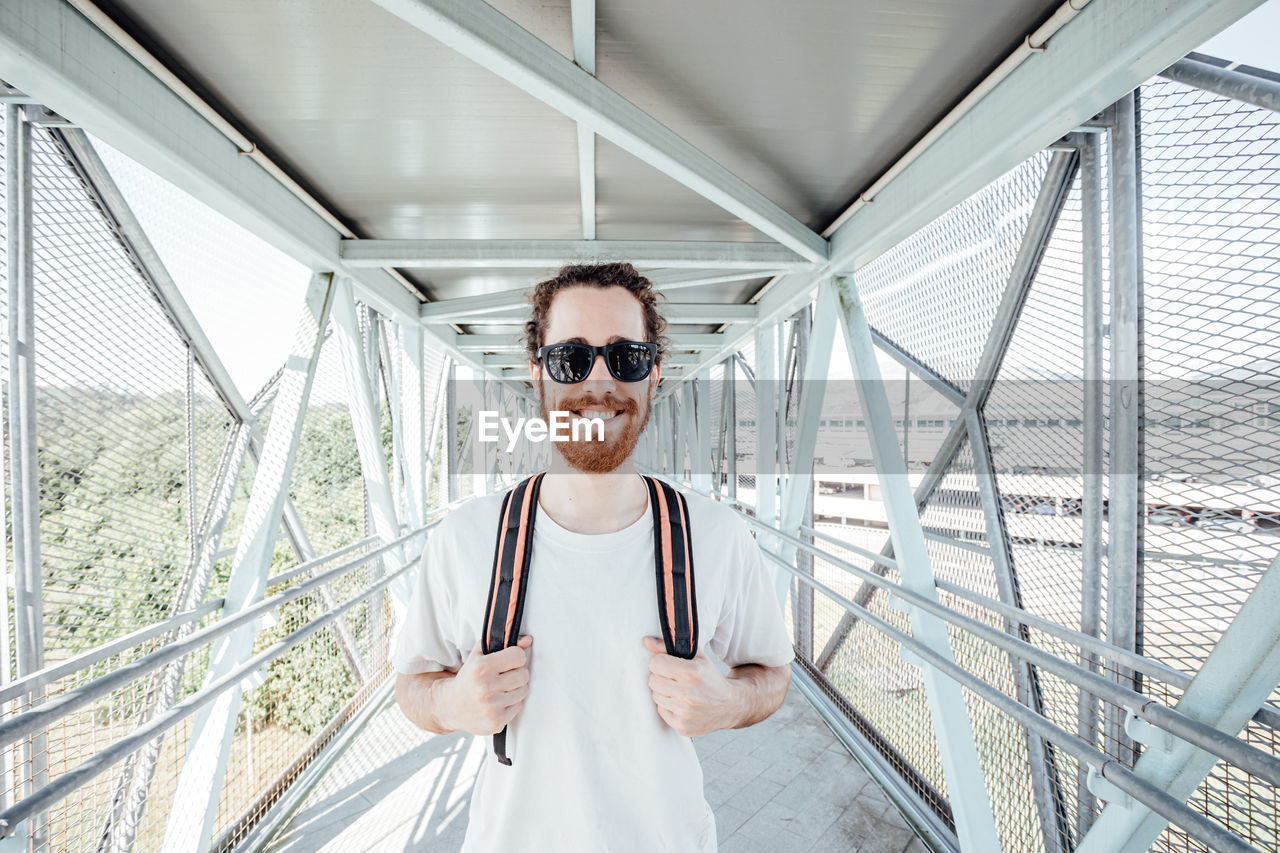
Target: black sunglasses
570	363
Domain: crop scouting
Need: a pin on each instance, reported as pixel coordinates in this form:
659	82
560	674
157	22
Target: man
599	717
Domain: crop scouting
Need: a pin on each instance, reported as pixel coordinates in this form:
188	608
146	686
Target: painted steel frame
12	817
1124	502
1239	675
486	36
1093	446
1050	199
1045	780
1227	82
975	823
84	158
582	18
535	254
1106	50
24	495
478	313
1198	826
194	810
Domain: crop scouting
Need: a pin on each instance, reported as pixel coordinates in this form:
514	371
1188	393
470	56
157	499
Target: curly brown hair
595	275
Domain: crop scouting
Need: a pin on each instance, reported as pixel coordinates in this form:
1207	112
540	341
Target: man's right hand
488	690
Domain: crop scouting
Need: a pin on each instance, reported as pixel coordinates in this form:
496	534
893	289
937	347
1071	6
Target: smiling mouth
602	414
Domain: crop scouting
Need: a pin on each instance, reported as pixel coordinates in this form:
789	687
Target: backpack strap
512	554
673	565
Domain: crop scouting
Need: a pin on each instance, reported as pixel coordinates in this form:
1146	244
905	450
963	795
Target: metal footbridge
974	318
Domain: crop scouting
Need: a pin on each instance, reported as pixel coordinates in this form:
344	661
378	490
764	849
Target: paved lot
783	785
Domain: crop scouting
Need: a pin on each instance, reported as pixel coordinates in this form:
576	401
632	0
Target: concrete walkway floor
783	785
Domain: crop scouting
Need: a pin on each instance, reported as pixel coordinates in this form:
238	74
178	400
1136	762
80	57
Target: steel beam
514	343
813	387
1238	676
1105	51
536	254
442	313
1044	217
1123	506
1045	782
28	594
1229	83
451	434
410	383
668	280
484	35
731	432
702	399
51	51
1093	450
582	17
766	369
975	825
367	423
195	803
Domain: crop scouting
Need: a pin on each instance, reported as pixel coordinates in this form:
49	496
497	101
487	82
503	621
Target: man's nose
600	375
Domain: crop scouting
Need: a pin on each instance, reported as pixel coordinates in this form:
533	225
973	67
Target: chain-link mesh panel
935	293
303	697
130	437
1211	336
112	415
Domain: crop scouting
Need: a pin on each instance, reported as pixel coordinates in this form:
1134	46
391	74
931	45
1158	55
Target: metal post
797	492
479	462
1238	676
688	428
1091	498
766	424
702	398
195	803
731	435
433	444
676	463
28	602
451	434
366	422
975	824
411	402
1122	504
1045	783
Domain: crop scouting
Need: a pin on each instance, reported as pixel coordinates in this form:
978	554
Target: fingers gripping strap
673	563
512	556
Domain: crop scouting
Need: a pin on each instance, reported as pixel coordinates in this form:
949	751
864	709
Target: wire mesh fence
144	479
1210	347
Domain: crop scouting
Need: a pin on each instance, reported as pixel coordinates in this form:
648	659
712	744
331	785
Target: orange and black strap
512	554
511	560
673	563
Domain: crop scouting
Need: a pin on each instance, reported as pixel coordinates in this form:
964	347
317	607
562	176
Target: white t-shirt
594	768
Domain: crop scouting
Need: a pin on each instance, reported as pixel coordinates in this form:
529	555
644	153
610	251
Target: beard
600	456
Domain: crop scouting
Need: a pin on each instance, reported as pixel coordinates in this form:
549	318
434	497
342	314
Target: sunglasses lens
569	363
629	362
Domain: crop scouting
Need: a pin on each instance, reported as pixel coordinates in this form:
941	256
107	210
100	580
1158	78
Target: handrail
1197	825
1206	737
1266	714
84	660
310	565
42	715
103	760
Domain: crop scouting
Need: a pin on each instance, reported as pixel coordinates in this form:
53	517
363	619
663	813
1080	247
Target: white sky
247	295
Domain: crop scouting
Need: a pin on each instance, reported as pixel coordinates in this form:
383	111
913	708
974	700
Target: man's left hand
692	696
